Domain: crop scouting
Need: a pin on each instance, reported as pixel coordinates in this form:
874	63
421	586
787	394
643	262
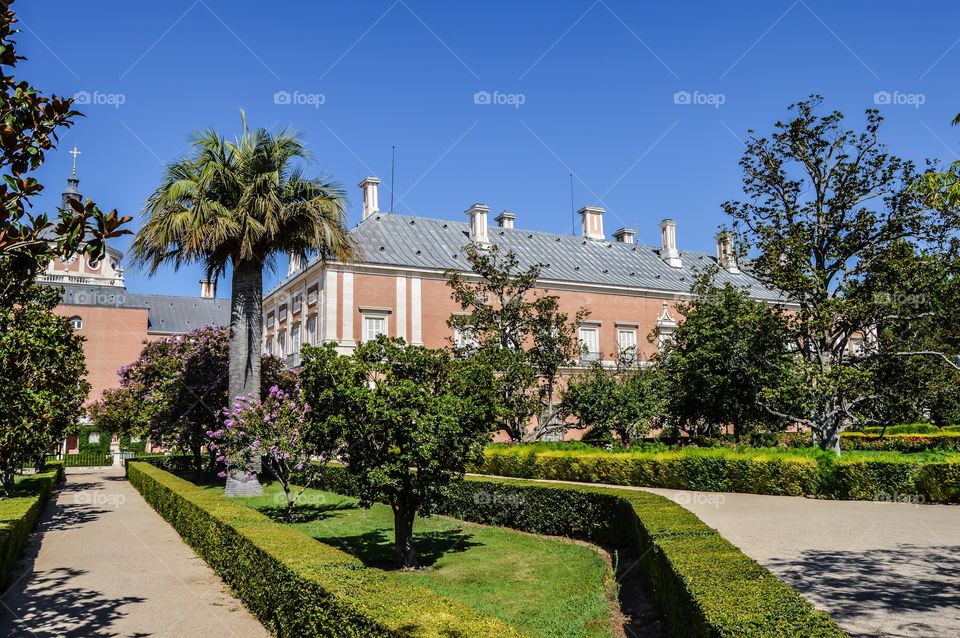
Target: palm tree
241	204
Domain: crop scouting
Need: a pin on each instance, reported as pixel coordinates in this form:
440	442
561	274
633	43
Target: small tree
503	312
627	402
727	349
272	429
411	421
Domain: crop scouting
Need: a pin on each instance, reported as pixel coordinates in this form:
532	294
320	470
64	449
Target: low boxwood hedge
295	585
19	513
705	586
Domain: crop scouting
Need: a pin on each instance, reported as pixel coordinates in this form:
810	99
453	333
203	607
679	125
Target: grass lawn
543	586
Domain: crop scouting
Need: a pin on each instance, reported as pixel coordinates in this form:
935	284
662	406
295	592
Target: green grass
543	586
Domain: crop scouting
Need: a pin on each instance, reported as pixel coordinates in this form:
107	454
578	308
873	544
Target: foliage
19	514
793	472
699	579
294	585
271	429
29	126
240	204
825	209
727	348
628	402
175	391
42	387
523	334
410	420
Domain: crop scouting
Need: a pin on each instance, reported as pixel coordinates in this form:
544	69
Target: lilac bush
271	430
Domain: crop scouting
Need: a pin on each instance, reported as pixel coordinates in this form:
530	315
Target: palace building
398	286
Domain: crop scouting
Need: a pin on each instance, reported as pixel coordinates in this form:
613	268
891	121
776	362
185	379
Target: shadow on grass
375	548
304	513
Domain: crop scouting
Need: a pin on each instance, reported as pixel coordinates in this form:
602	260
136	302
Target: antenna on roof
393	164
573	212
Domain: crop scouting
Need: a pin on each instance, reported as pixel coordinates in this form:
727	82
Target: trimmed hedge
87	458
295	585
879	477
19	513
709	469
705	586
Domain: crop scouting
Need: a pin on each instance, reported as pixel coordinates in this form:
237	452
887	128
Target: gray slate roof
424	242
166	313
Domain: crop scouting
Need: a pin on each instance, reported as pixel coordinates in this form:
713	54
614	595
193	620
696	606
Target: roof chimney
208	289
371	203
726	255
505	219
478	223
668	244
591	222
624	235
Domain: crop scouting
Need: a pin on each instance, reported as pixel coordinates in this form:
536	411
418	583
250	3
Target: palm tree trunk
246	343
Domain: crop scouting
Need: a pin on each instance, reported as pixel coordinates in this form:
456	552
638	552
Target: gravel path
103	563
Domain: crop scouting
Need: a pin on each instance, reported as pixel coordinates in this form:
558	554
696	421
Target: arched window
76	323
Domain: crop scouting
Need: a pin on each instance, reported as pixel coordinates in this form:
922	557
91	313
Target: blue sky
585	87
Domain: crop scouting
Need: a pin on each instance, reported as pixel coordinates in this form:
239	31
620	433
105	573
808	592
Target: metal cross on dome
74	152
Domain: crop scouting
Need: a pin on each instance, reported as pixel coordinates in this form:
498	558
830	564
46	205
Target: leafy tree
825	207
627	402
175	391
41	388
725	351
30	126
238	205
524	334
272	429
410	420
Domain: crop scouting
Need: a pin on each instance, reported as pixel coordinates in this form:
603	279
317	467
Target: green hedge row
19	513
883	477
705	586
83	459
295	585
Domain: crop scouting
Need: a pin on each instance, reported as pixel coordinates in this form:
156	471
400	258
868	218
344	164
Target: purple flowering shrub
271	430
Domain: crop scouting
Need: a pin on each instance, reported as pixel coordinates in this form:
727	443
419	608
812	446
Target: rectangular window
295	339
590	340
270	318
282	314
627	339
281	345
312	330
268	346
464	339
374	326
297	303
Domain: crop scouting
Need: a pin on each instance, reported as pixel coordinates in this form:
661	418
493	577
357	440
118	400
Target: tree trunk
403	552
246	343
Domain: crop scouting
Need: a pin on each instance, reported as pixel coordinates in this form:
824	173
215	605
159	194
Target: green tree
522	333
410	421
725	351
824	207
238	205
42	387
627	402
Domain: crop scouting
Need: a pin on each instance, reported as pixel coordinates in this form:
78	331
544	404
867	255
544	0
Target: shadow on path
858	587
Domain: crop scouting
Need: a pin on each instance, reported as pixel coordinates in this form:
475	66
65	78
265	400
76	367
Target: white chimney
505	219
208	289
668	244
726	255
624	235
478	223
295	264
591	222
371	203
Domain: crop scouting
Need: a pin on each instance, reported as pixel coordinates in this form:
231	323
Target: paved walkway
878	568
105	564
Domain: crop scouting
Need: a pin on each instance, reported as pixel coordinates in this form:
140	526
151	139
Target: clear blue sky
597	81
